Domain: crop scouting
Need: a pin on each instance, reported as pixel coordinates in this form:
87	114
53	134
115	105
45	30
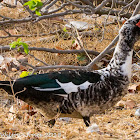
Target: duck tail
6	86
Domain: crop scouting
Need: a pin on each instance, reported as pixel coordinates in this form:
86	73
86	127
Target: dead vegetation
19	121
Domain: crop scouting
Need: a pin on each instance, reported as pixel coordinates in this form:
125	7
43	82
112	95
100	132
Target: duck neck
121	61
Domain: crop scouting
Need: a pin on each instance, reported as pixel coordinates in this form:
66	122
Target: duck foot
51	123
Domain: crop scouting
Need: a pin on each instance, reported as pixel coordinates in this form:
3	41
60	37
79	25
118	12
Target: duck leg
86	120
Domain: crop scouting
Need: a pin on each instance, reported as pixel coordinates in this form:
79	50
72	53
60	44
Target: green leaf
25	46
19	39
65	30
20	43
81	57
73	41
39	4
37	12
24	74
33	5
13	44
27	3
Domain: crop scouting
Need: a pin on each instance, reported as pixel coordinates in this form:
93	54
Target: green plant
19	43
73	41
81	57
24	74
34	5
65	30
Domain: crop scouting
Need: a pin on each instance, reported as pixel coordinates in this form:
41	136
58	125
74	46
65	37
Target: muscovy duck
80	93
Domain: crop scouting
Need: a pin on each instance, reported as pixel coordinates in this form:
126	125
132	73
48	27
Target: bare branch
107	19
128	5
87	2
101	5
61	66
68	12
5	17
7	48
20	35
56	10
113	12
38	59
8	5
12	21
50	5
27	8
137	9
81	6
89	66
87	9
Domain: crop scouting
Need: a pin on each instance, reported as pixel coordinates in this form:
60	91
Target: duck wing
62	82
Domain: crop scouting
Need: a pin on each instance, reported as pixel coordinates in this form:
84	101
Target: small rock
14	69
66	119
130	104
137	113
79	25
93	128
1	59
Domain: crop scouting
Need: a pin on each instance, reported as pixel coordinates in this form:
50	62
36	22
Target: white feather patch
127	66
85	85
46	89
70	87
67	87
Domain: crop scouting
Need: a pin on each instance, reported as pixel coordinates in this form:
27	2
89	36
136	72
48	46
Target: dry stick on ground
83	33
38	59
80	43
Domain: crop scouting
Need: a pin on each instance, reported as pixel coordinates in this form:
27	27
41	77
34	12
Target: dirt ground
117	123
